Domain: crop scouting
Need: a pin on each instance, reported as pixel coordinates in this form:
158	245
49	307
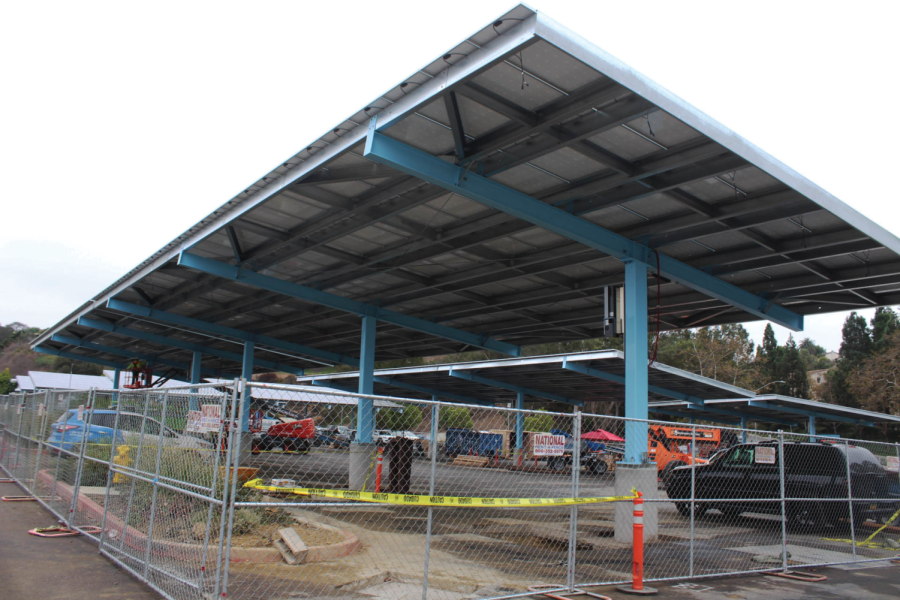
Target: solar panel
527	104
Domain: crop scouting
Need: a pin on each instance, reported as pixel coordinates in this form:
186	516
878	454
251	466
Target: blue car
68	432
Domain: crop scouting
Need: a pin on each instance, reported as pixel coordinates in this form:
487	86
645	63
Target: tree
884	324
539	422
405	418
856	346
724	353
792	372
7	385
455	416
875	381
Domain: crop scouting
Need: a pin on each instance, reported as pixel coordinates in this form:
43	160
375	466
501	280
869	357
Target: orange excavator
670	447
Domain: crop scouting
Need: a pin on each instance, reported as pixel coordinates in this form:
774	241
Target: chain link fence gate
171	492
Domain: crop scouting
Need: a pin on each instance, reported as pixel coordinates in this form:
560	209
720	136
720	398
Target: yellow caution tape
868	541
426	500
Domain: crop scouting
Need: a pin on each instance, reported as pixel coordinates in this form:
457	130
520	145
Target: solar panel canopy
530	105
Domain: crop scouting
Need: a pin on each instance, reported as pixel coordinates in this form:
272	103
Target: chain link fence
438	500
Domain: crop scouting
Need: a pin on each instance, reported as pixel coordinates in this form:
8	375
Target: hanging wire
446	57
406	83
649	125
501	21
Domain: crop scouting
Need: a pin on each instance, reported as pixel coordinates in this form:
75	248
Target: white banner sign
210	418
193	421
81	412
893	463
765	455
547	444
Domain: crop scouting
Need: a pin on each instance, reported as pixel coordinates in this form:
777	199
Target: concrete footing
644	479
362	466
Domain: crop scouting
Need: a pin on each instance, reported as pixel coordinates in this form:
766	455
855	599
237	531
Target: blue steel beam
810	413
308	294
426	390
739	415
246	336
675	413
586	370
73	356
513	388
333	386
64	339
195	348
432	169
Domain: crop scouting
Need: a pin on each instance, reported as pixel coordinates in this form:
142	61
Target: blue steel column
520	421
246	375
744	432
812	425
195	378
117	375
365	421
636	368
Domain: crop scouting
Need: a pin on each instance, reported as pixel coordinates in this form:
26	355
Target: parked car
333	437
750	474
68	431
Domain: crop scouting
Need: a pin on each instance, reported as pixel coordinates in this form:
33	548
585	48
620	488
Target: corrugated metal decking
529	105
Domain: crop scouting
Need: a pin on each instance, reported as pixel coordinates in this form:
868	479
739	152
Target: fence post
59	455
573	510
435	420
850	497
109	476
159	449
232	420
137	465
79	467
784	564
43	409
194	402
693	491
20	411
235	438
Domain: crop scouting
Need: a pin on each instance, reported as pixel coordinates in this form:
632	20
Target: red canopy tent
601	435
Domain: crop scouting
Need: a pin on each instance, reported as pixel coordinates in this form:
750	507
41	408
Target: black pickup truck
748	475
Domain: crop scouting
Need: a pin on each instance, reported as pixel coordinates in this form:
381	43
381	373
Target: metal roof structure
770	407
24	383
486	202
307	393
563	378
43	380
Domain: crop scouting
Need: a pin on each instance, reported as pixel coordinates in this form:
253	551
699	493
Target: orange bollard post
378	470
637	553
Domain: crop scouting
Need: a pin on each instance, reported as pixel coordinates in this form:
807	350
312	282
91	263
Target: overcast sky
123	124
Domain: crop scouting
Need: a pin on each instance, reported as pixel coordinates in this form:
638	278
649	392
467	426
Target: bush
455	416
391	418
539	423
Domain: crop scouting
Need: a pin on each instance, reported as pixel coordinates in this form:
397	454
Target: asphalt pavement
55	568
